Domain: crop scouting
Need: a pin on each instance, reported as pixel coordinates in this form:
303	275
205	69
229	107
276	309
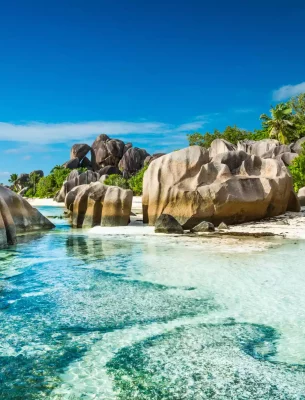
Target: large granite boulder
233	187
301	196
79	150
133	160
107	151
99	204
18	216
71	164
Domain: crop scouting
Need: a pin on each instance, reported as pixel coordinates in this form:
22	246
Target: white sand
44	202
290	226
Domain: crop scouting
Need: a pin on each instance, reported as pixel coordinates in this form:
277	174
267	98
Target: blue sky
143	71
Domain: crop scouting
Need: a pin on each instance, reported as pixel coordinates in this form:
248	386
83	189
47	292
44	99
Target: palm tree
34	179
13	179
280	125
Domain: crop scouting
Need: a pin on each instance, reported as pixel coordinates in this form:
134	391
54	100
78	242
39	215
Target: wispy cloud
287	91
26	158
43	133
4	173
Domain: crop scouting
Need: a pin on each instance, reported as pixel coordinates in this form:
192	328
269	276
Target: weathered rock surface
18	216
166	223
233	187
219	146
301	196
203	226
223	226
258	148
97	204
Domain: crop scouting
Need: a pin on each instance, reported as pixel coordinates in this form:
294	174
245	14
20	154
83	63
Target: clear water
149	318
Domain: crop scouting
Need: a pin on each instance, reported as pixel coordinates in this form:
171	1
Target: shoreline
290	225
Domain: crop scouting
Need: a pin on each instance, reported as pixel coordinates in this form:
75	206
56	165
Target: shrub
117	180
136	182
297	170
29	193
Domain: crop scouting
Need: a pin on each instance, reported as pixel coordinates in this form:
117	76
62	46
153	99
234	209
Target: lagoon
122	317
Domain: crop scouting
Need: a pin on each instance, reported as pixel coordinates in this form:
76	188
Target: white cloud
27	158
287	91
43	133
4	173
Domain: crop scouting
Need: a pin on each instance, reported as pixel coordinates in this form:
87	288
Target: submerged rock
168	224
18	216
223	226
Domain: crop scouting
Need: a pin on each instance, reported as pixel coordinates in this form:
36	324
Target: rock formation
18	216
231	187
97	204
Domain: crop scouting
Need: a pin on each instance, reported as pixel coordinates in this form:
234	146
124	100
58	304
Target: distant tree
13	180
280	125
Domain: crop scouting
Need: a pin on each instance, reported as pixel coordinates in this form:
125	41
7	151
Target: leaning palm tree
280	126
13	179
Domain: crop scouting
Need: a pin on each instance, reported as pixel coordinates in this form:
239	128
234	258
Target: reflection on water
120	318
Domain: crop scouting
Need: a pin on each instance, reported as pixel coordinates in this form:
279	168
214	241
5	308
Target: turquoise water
85	317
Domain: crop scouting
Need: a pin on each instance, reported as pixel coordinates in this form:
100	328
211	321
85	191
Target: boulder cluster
18	216
226	183
106	152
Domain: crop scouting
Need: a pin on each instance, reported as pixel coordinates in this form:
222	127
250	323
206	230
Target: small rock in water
204	226
168	224
223	226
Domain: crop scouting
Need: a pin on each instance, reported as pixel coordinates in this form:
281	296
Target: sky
149	72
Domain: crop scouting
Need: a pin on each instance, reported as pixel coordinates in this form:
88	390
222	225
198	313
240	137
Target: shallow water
85	317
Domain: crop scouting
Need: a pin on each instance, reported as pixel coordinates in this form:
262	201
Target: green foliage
232	134
117	180
49	185
136	182
13	179
297	170
280	125
30	193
